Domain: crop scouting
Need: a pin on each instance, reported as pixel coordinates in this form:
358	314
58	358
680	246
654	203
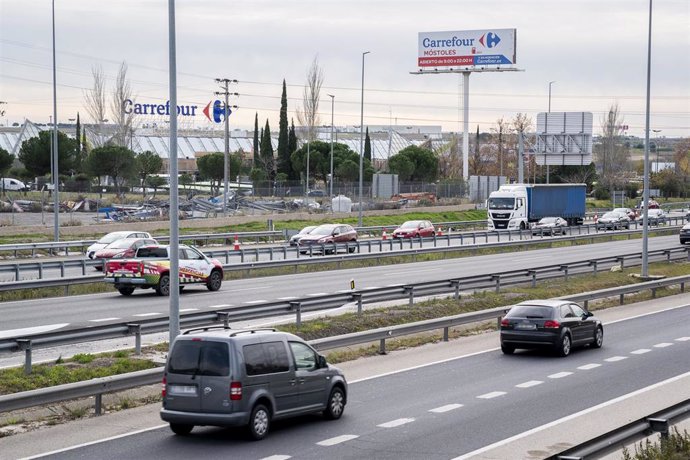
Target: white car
111	237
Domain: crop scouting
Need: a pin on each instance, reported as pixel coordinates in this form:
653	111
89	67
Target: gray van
224	377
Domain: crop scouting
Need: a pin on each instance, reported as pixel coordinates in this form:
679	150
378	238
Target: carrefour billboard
467	48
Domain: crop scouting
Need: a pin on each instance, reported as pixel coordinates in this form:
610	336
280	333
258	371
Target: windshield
501	203
410	224
110	237
306	230
611	215
121	244
325	230
548	220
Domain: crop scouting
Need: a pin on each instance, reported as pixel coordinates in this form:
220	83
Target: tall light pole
548	169
656	147
550	83
226	112
361	144
645	194
174	328
55	171
330	188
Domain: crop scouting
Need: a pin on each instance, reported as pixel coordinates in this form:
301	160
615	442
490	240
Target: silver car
224	377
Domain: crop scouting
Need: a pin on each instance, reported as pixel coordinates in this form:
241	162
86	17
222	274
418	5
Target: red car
328	234
125	247
415	229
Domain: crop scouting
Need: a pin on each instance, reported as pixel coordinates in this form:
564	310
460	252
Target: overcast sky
594	50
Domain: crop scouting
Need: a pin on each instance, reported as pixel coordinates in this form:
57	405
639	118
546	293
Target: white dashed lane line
394	423
254	301
188	309
531	383
587	367
560	375
317	294
613	359
337	440
147	314
662	345
446	408
220	306
493	394
102	319
682	339
641	351
288	298
277	457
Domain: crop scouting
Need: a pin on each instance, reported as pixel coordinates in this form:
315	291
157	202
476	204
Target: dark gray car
224	377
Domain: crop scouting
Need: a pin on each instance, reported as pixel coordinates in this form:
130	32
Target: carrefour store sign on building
467	48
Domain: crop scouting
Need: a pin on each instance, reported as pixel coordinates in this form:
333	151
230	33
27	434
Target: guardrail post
62	269
284	252
659	425
593	263
270	253
40	270
136	330
25	344
533	274
357	297
586	304
621	300
434	235
682	287
668	256
297	306
653	293
456	285
382	346
564	269
445	334
621	260
225	317
241	255
409	290
497	280
16	270
83	267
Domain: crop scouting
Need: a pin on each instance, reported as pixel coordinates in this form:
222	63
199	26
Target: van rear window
199	358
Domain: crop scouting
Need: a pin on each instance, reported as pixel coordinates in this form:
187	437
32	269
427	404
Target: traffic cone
596	217
384	235
237	244
440	232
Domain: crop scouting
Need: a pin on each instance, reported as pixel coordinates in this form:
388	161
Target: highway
462	406
51	314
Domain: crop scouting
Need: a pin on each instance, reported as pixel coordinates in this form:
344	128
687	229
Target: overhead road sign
564	138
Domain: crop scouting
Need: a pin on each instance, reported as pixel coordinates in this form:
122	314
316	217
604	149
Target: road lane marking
493	394
147	314
662	345
277	457
188	309
31	330
397	422
531	383
560	375
641	351
317	294
567	418
682	339
613	359
337	440
102	319
255	301
252	288
587	367
446	408
288	298
219	306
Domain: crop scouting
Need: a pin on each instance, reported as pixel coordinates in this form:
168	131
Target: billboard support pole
466	126
521	158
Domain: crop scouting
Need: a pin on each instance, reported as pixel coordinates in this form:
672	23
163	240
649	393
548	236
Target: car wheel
181	429
336	404
564	346
351	249
507	350
598	337
215	280
127	290
259	422
163	288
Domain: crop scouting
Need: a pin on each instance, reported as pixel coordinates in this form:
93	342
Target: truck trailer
516	206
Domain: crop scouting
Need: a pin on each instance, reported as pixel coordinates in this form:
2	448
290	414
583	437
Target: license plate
187	390
526	326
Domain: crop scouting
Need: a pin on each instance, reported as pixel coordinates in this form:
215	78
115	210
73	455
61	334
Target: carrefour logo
214	111
491	39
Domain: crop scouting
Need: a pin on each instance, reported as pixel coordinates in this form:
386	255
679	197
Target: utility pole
224	82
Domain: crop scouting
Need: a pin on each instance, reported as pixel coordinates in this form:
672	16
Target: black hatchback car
556	324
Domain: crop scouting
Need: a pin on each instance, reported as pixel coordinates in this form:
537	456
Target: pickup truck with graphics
150	268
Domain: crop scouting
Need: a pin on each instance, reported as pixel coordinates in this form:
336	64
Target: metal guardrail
327	301
97	387
359	247
658	422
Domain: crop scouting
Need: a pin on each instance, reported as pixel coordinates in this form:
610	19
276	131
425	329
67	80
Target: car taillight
164	384
235	391
551	324
505	322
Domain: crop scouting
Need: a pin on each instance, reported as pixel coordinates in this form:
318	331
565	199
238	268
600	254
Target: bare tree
611	154
94	100
124	122
500	136
308	116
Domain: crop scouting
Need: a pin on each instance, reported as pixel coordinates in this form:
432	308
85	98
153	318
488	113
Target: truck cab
507	208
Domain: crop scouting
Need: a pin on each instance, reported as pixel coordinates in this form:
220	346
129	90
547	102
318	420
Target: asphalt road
42	315
448	409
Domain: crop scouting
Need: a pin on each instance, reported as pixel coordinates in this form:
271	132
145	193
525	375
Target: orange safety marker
440	232
384	236
237	244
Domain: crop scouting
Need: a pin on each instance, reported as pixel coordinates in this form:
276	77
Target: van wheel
598	338
564	346
336	404
127	290
259	422
163	287
181	429
214	281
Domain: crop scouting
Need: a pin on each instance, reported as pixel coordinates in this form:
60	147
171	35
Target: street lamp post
656	146
55	171
361	143
330	188
548	169
645	194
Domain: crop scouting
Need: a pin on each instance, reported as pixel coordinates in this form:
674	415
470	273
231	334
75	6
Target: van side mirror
322	362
